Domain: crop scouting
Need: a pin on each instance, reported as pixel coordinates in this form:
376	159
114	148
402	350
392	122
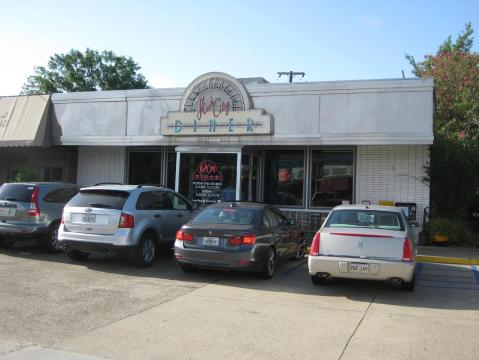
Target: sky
176	41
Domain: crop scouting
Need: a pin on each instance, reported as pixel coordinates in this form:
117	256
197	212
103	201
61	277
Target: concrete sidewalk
448	255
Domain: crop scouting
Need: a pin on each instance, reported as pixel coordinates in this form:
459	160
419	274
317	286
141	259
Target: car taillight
183	236
63	219
127	221
315	245
246	239
249	239
407	251
34	209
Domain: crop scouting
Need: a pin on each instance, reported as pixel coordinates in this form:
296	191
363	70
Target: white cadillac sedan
364	242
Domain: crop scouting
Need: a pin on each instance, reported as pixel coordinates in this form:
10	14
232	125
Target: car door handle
180	215
157	215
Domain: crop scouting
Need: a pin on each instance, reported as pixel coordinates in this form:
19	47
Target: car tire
51	239
146	250
318	280
76	255
409	285
269	265
188	267
301	250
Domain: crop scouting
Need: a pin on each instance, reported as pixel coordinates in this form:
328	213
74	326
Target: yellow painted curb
447	260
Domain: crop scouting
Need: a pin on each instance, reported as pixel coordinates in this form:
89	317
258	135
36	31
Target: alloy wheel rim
148	250
301	249
271	264
54	240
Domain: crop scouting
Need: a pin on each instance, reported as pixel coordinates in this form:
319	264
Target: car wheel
51	240
188	267
269	266
146	251
409	285
318	280
76	255
301	250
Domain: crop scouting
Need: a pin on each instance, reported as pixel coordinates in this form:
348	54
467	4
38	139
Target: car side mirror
291	222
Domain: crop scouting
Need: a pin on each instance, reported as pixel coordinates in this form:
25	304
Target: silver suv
126	220
33	210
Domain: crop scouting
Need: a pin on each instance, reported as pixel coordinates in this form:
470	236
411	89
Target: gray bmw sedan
239	236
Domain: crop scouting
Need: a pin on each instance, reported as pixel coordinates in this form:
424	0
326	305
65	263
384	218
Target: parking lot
107	308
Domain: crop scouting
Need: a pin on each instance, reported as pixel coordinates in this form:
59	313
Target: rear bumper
92	247
378	269
22	230
122	237
251	259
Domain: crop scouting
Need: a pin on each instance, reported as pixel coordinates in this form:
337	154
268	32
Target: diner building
305	147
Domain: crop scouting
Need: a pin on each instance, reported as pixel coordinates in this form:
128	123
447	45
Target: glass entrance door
207	178
249	177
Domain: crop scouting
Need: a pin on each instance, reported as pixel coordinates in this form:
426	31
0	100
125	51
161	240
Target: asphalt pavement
51	308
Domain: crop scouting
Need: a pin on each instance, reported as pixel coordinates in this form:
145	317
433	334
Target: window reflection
332	178
284	177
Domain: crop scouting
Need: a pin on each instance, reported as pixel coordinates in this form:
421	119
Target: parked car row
355	241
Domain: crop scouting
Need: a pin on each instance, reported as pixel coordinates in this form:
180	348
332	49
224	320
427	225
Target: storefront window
284	177
208	178
331	178
144	167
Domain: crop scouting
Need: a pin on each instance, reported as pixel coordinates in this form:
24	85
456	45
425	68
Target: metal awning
23	120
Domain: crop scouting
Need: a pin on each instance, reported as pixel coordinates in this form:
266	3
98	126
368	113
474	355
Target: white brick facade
101	164
393	172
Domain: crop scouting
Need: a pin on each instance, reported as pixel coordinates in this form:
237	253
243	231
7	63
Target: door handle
157	215
180	215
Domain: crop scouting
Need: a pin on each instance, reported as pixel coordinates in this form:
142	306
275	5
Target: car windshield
16	192
240	216
386	220
108	199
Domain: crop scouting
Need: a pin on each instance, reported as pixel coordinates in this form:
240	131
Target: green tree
453	173
455	69
85	71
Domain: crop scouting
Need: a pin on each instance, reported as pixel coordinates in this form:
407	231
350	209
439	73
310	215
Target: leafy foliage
25	175
88	71
457	232
453	173
455	70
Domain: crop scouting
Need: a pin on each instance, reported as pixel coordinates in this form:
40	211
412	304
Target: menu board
207	183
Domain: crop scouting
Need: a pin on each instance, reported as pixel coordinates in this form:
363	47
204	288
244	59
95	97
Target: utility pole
291	74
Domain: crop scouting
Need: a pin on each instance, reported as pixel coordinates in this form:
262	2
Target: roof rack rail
157	185
108	183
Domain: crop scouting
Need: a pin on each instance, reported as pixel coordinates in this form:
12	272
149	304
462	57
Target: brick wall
392	172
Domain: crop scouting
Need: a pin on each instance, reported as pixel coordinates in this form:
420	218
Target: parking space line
476	273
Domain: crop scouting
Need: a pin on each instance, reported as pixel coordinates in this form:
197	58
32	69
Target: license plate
358	268
211	241
7	211
88	218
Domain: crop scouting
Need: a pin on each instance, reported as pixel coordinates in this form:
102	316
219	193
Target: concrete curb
446	260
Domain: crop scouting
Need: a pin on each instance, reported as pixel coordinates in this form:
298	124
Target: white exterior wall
101	164
393	172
